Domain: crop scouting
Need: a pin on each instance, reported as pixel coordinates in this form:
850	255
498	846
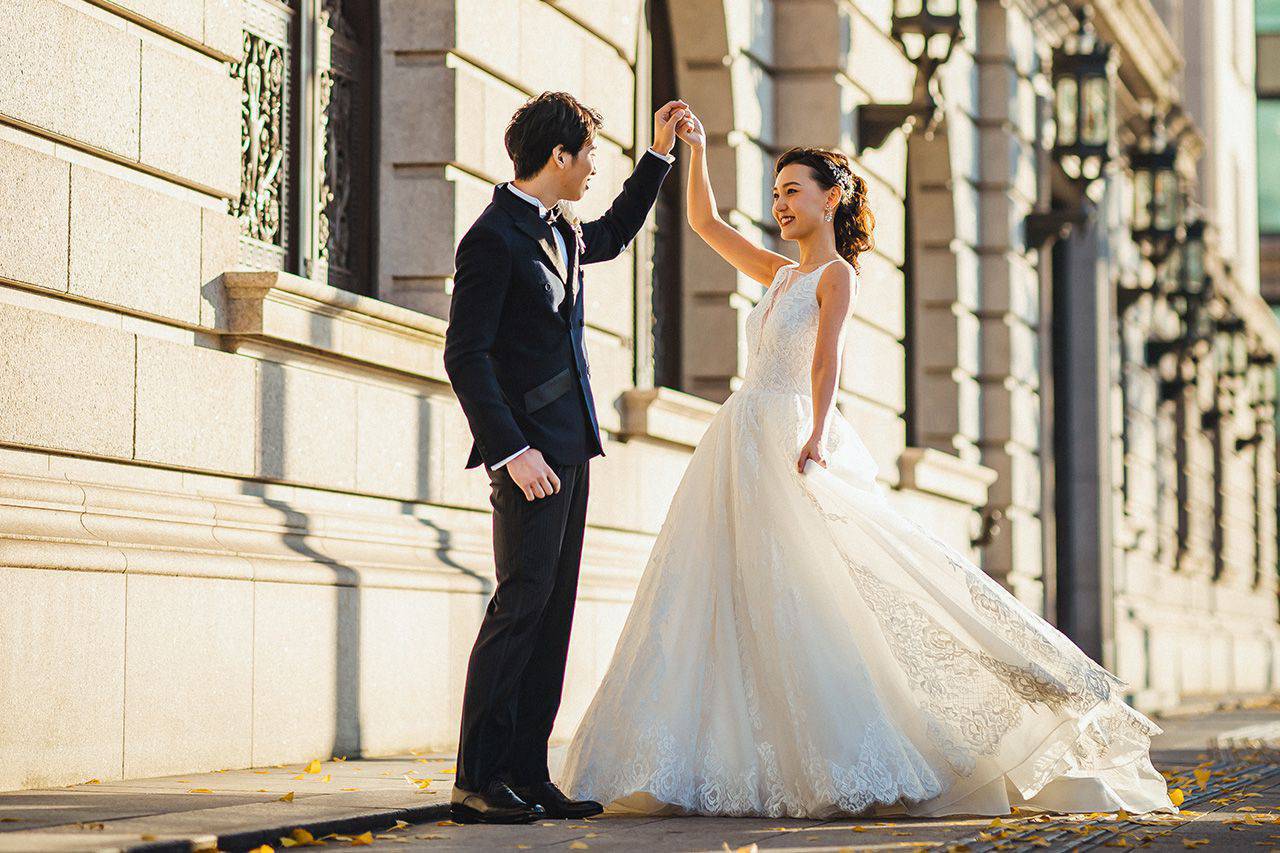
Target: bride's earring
827	216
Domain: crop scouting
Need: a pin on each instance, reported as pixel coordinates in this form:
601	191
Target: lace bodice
782	330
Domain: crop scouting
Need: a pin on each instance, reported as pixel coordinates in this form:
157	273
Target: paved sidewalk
400	804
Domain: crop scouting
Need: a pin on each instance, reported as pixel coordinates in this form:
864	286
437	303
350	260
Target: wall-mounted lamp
927	31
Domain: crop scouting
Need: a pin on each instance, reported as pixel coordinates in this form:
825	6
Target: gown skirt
798	647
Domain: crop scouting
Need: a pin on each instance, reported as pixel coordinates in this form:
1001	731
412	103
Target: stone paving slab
230	809
402	803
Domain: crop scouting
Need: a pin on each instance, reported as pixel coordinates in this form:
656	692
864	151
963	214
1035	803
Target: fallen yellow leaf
199	791
455	823
1176	796
1202	777
325	778
362	840
287	798
300	776
147	837
266	848
313	767
1192	843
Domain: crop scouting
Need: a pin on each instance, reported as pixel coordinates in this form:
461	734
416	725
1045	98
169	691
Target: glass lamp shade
1193	252
1221	350
1157	197
1172	272
1084	102
927	28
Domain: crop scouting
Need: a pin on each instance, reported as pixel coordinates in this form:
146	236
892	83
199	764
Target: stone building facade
237	530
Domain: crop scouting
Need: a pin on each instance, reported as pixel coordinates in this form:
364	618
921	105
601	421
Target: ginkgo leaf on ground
1176	796
363	839
313	767
287	798
1202	777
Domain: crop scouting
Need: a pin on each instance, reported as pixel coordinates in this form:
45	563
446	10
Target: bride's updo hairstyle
853	220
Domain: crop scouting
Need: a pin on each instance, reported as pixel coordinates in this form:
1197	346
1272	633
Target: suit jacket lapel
571	277
527	220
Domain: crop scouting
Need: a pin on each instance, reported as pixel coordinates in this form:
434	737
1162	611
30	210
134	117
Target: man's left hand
665	122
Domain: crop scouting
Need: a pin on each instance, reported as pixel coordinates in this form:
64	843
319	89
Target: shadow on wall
273	393
274	402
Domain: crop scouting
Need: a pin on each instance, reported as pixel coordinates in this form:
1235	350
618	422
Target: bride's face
798	202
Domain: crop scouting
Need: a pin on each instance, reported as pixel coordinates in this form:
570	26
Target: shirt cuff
670	158
508	459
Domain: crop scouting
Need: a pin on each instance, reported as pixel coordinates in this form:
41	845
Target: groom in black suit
515	356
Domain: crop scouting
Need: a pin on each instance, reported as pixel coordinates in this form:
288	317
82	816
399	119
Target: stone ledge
665	414
295	311
81	526
924	469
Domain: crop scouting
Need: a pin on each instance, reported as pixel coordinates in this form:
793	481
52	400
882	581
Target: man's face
575	176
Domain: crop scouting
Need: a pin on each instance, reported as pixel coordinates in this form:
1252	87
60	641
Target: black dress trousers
516	672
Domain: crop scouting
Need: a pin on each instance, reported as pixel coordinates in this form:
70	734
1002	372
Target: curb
1195	708
248	839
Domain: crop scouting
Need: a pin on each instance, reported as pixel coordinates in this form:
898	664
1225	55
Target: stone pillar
1084	464
723	59
1008	312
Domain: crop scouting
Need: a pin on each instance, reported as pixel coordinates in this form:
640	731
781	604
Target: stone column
1009	310
1084	517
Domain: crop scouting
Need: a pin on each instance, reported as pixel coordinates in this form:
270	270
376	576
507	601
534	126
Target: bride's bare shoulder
840	278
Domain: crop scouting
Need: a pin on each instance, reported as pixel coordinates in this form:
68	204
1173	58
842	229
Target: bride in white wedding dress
799	648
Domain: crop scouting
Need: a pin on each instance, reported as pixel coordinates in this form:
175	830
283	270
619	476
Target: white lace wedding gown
797	647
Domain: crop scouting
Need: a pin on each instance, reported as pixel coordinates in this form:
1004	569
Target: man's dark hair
542	123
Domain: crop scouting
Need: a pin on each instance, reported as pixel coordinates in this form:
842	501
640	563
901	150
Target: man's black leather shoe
555	803
495	804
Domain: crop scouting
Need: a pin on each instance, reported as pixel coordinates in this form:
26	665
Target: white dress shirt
542	214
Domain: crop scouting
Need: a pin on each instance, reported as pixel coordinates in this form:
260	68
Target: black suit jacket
514	347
